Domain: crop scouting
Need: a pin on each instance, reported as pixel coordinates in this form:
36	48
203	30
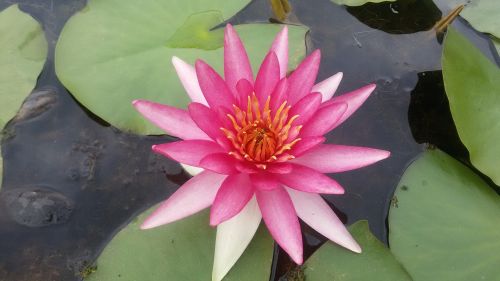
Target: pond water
71	181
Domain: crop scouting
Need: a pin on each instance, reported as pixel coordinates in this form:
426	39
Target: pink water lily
259	142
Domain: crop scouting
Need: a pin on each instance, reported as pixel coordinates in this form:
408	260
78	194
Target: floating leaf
481	14
471	83
115	51
1	170
334	263
23	50
446	223
196	33
181	251
358	2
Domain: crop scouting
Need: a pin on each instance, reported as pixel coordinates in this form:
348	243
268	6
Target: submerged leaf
180	251
358	2
115	51
471	83
23	50
496	42
281	9
334	263
446	223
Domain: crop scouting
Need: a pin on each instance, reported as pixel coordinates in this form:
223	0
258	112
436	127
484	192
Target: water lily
260	145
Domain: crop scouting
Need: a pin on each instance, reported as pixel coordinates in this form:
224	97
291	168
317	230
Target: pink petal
308	180
324	120
206	119
222	113
264	181
236	63
303	78
224	143
233	195
328	86
293	133
279	168
329	158
279	94
314	211
176	122
267	78
353	99
244	89
213	86
305	108
220	163
280	47
247	168
188	152
281	220
305	144
195	195
188	78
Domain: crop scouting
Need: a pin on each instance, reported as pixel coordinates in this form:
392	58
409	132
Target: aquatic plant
260	144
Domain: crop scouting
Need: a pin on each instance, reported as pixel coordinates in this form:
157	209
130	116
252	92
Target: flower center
262	135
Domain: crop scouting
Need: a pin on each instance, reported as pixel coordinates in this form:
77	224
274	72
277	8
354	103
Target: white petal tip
193	171
216	276
385	155
146	225
176	60
299	260
356	248
179	64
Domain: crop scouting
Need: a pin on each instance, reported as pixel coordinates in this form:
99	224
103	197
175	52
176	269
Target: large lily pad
471	83
181	251
446	222
334	263
115	51
1	170
358	2
23	50
481	14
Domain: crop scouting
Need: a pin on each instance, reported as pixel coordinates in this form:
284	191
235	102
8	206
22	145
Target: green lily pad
358	2
23	50
481	14
1	171
115	51
181	251
334	263
446	223
471	83
196	33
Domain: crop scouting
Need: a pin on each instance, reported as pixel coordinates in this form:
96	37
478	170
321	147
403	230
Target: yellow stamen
258	135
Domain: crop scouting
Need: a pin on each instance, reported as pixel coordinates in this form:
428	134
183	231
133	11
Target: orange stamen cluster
260	136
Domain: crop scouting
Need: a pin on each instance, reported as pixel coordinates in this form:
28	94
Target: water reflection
107	176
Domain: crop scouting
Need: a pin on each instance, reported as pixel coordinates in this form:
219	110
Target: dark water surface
71	181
